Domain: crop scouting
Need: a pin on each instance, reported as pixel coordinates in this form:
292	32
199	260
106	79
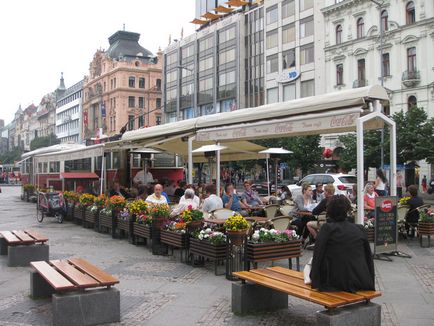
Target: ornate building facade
123	89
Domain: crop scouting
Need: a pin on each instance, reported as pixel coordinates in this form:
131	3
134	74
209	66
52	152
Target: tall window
307	54
132	81
288	59
386	64
411	61
158	84
410	13
141	82
272	63
273	95
339	34
141	102
288	33
158	103
361	72
340	74
360	28
271	14
306	27
306	4
288	8
131	101
272	39
307	88
385	20
130	122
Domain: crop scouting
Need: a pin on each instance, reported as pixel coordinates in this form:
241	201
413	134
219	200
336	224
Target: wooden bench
82	294
23	246
271	287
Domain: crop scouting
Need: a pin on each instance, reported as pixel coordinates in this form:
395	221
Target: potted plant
369	225
174	234
71	199
86	202
159	213
142	227
236	228
192	217
105	219
270	245
29	190
425	225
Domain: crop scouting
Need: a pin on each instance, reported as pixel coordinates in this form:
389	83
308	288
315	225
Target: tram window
45	167
136	160
98	163
39	167
116	160
54	167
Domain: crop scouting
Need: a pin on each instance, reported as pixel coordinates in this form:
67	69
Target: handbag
306	272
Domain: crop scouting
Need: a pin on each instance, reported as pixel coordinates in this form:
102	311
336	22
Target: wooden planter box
89	216
79	213
425	228
269	251
174	239
123	225
105	220
142	230
70	212
205	249
371	234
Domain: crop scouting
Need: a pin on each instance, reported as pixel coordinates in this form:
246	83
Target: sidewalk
158	290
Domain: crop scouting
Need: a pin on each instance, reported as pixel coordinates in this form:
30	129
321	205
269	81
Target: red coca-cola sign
386	206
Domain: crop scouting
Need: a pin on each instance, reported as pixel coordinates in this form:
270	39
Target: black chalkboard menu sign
386	229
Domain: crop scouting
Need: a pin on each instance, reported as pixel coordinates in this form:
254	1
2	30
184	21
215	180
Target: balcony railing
411	78
360	83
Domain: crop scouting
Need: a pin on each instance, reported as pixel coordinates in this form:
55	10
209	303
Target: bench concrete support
253	298
3	247
39	287
86	308
23	255
359	314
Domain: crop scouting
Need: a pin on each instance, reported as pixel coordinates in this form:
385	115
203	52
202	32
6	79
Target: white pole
190	159
393	159
101	187
360	172
218	171
268	175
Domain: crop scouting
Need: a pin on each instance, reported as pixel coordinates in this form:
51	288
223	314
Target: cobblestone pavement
157	290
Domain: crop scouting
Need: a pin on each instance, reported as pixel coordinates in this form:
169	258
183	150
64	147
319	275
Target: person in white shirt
186	203
157	198
196	199
212	201
140	178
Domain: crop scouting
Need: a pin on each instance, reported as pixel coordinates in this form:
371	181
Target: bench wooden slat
366	294
24	237
347	296
77	277
10	237
316	297
53	277
37	236
104	278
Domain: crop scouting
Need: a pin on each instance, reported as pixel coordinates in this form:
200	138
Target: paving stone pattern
160	290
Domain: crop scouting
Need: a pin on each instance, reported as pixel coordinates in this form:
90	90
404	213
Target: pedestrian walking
424	184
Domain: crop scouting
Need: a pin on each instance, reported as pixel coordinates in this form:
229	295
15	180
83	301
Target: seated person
232	202
313	226
141	179
250	198
212	201
179	191
157	197
318	193
342	258
369	198
117	190
412	216
196	198
186	203
302	211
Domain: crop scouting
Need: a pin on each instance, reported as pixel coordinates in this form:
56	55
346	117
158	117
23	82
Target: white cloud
41	39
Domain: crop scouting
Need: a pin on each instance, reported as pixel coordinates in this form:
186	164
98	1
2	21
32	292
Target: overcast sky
40	39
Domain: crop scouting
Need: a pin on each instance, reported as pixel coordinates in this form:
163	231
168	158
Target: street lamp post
380	6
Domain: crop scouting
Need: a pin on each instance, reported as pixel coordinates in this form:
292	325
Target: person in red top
369	199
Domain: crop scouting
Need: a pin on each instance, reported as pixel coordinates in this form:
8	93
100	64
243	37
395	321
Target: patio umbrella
268	152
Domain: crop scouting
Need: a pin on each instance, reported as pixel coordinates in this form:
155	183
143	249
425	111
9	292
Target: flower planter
192	226
90	217
236	238
142	230
206	249
125	228
371	234
425	229
270	251
69	212
78	214
105	222
174	239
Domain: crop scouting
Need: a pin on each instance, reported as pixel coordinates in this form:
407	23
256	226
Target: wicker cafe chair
271	210
286	209
221	213
281	223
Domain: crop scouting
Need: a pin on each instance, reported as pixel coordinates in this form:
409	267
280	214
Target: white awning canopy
72	154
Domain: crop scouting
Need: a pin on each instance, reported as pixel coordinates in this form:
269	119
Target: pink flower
190	207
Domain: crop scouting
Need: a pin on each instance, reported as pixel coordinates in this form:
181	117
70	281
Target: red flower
190	207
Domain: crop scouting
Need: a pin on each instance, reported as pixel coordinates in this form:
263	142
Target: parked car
343	182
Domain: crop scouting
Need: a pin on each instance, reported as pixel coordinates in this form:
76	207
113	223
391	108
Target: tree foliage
11	156
45	141
306	151
414	141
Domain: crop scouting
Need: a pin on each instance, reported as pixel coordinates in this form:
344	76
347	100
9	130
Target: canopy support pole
268	175
218	172
360	172
190	159
101	187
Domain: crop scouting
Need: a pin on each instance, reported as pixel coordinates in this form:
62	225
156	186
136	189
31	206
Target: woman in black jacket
342	259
